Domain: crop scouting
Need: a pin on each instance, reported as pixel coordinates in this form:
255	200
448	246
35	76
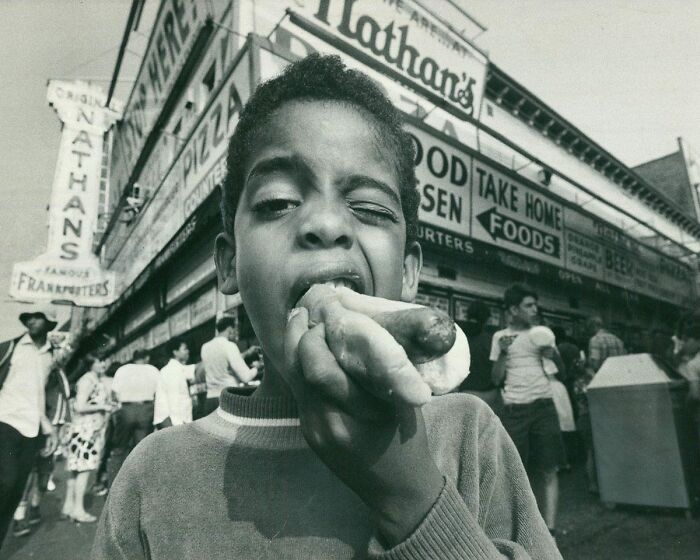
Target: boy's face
320	203
526	312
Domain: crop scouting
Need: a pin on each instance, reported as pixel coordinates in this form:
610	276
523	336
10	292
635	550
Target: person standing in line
603	344
134	386
28	513
91	410
479	382
25	367
529	414
224	364
690	369
173	404
101	479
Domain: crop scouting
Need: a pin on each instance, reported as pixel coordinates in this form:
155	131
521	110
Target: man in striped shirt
603	344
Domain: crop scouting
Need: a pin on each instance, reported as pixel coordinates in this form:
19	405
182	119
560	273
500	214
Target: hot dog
420	339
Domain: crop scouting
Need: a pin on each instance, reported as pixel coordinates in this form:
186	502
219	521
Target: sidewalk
591	532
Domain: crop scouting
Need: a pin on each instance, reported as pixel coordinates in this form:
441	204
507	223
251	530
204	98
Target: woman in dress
91	409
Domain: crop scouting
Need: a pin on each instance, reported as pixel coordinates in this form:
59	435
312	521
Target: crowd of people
95	423
317	461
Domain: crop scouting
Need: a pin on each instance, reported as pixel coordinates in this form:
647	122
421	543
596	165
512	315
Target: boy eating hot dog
318	463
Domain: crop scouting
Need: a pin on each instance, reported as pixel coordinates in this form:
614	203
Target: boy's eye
274	206
373	213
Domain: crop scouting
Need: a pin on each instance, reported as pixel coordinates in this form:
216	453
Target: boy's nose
325	226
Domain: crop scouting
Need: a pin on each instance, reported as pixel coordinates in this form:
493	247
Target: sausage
356	331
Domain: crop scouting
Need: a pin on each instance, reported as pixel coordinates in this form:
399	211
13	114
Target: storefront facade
501	201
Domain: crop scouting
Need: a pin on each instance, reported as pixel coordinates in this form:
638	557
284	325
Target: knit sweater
243	483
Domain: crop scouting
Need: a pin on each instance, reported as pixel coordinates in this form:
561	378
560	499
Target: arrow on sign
502	227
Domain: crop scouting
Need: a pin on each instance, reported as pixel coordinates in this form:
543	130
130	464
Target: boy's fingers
297	326
323	375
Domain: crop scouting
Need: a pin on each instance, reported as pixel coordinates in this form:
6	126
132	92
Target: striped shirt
602	346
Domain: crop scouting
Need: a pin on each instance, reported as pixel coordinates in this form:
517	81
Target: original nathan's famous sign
408	42
69	270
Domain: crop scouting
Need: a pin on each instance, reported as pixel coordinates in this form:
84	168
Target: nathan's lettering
395	46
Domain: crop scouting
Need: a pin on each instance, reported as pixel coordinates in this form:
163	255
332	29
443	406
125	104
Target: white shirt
22	398
135	383
173	395
526	380
224	366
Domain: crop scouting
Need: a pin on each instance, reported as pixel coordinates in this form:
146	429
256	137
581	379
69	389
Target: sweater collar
241	403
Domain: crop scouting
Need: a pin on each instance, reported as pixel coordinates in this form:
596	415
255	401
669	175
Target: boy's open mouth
350	280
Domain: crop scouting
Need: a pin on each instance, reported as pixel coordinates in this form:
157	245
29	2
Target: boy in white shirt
529	415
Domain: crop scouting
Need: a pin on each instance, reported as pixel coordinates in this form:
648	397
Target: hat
48	313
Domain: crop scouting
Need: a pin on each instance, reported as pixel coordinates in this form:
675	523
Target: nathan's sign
175	31
69	270
410	43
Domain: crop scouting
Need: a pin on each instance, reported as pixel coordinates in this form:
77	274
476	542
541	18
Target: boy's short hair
141	354
478	312
322	78
175	344
692	330
225	322
515	295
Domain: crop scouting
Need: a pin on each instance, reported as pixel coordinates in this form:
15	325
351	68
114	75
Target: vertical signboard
175	31
198	170
69	270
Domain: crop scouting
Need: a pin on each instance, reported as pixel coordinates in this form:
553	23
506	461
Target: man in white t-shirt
224	365
173	404
134	386
25	368
529	415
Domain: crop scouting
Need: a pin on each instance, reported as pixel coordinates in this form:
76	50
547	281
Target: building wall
163	255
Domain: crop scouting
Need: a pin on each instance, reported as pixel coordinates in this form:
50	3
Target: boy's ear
412	265
225	258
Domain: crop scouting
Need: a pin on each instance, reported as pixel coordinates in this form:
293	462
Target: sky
627	73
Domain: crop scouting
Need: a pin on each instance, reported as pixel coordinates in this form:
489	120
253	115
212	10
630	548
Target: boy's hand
377	448
504	342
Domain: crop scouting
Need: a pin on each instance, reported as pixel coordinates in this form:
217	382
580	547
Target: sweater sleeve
507	525
119	535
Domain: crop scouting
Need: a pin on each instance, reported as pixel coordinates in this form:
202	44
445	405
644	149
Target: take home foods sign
408	40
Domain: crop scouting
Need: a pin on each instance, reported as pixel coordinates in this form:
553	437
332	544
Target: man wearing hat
25	365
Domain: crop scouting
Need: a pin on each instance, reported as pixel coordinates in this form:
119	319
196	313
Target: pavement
590	531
